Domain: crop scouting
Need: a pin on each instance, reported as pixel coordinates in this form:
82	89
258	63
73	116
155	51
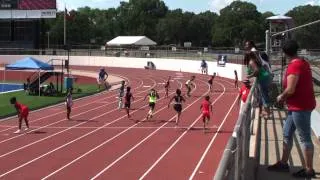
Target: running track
100	142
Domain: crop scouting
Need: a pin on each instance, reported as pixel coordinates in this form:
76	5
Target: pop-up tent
29	63
131	40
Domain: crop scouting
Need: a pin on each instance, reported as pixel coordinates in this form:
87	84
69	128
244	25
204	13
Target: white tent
279	17
131	40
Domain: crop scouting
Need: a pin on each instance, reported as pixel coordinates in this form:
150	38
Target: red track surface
100	142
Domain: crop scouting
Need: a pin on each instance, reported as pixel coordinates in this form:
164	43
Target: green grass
36	102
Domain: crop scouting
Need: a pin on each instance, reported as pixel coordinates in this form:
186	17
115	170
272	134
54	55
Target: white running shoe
17	132
26	129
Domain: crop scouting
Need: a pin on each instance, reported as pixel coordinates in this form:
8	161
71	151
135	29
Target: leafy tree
308	37
238	22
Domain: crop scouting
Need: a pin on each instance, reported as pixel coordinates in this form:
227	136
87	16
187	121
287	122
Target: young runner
128	99
167	86
153	96
69	103
177	104
210	82
23	112
236	79
121	94
189	84
103	75
205	110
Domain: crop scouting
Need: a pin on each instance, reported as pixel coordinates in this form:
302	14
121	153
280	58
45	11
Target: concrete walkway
112	79
271	149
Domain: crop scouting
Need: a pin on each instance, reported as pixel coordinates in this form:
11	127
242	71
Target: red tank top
21	107
205	106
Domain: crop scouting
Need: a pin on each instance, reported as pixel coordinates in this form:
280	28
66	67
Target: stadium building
20	22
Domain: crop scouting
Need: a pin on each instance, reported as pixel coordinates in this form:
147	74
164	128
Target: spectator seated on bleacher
150	65
50	91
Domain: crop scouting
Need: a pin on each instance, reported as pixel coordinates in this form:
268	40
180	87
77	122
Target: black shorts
178	107
127	105
152	105
210	82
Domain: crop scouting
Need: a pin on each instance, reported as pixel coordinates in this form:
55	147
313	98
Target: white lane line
70	142
211	142
146	138
181	136
107	141
51	115
55	134
65	119
124	127
95	148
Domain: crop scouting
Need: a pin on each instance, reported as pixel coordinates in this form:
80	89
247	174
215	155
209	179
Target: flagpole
65	26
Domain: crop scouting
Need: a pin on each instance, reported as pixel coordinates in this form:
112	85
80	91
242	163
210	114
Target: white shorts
101	81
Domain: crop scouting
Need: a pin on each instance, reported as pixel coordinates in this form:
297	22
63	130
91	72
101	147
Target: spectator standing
300	99
255	69
204	67
103	76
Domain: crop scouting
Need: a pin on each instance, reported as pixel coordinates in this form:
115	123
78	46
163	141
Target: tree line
236	23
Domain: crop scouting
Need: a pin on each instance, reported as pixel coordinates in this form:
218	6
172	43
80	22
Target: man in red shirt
205	110
23	112
300	99
243	93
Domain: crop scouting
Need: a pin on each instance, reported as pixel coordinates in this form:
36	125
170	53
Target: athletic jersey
167	84
188	83
102	74
20	107
178	99
153	97
205	106
69	100
121	91
128	98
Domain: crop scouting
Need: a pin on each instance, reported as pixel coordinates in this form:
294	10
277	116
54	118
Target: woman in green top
255	69
153	96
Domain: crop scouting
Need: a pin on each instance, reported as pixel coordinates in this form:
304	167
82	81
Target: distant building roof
131	40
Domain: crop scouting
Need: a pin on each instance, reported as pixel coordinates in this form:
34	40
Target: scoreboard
27	9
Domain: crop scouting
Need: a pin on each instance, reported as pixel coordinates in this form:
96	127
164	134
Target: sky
276	6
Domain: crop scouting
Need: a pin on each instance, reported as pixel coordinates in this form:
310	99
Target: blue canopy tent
29	63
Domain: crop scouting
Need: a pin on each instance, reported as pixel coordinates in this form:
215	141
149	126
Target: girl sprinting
69	103
23	112
236	79
205	108
128	97
189	84
153	96
121	94
210	82
178	99
167	86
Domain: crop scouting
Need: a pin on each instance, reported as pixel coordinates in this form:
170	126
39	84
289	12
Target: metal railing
234	162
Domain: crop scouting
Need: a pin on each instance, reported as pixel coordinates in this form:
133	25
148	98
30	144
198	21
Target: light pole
48	39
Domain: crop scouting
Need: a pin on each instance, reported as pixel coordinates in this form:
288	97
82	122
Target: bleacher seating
36	5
